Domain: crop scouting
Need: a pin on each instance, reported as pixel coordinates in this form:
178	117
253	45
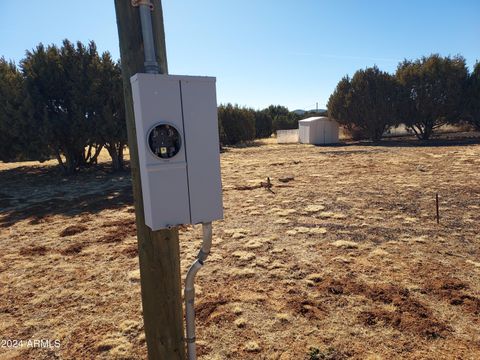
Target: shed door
328	132
325	131
304	133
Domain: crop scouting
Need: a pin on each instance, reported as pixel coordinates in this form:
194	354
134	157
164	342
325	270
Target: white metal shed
318	130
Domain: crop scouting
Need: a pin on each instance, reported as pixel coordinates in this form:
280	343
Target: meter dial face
164	141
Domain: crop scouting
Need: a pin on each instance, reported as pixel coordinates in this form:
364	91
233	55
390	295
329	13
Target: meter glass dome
164	141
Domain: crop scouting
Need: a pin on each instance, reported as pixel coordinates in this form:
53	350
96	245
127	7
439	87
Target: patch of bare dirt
405	313
33	251
456	293
118	231
72	249
73	230
131	251
412	319
211	311
306	307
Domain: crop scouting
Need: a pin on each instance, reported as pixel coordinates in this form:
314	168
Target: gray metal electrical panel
178	148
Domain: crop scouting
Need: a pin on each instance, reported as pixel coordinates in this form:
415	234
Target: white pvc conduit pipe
190	289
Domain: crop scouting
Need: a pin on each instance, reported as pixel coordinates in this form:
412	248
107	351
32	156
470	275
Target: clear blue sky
264	51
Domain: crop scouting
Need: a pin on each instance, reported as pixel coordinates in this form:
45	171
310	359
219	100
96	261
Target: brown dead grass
345	257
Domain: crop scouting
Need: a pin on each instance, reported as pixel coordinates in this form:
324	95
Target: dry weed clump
345	244
244	255
314	208
252	346
134	275
240	323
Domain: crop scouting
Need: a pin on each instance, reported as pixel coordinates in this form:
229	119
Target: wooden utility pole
158	250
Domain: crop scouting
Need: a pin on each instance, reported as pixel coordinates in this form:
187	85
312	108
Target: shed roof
313	119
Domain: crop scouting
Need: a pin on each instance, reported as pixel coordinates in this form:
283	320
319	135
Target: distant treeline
66	102
423	94
240	124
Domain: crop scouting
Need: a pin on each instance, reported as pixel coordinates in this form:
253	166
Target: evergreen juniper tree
435	88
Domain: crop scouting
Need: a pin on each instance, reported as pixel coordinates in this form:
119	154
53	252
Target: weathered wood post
158	250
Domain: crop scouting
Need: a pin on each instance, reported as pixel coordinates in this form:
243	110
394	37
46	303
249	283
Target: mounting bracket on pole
137	3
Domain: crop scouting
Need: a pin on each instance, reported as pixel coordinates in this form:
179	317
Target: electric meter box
178	149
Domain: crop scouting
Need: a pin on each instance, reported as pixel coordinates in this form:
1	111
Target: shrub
473	97
110	124
11	83
236	124
76	104
59	84
263	124
282	118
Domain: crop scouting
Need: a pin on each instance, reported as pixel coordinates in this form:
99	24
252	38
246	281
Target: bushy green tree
21	137
277	110
282	118
375	97
263	123
435	88
109	110
67	102
59	82
473	97
236	124
367	104
11	84
338	106
285	122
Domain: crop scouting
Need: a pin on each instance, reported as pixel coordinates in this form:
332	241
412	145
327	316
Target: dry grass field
343	260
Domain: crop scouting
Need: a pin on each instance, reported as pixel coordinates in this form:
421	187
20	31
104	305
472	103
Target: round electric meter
164	141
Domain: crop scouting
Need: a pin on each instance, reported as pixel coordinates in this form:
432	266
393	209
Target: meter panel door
161	150
203	149
158	109
167	202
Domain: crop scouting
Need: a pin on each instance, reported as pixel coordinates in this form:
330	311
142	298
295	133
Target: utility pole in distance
159	252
